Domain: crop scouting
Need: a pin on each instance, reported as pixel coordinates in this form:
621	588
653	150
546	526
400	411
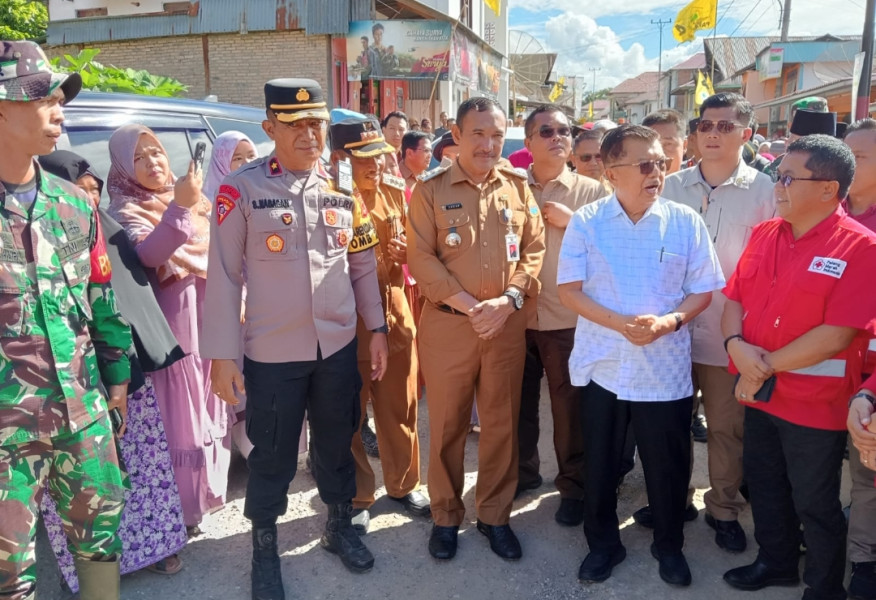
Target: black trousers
547	353
794	472
662	431
277	394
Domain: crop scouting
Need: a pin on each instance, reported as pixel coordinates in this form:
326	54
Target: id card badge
512	247
345	176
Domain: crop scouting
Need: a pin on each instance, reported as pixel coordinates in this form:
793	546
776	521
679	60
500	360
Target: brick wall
239	64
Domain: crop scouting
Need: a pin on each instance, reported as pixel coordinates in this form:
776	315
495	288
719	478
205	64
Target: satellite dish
531	64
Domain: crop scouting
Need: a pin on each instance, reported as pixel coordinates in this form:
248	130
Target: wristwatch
382	329
864	394
516	297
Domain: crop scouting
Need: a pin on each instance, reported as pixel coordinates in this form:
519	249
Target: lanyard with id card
345	176
512	242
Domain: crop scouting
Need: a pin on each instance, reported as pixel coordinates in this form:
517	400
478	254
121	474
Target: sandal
166	566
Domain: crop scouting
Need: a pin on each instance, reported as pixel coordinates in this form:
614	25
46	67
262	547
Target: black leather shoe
729	535
442	542
699	430
415	503
863	583
502	540
645	517
759	575
597	566
673	567
523	486
570	513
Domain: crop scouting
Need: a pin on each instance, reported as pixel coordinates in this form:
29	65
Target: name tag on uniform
828	266
512	247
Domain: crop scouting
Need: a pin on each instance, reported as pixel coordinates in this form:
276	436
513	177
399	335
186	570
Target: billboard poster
398	50
474	65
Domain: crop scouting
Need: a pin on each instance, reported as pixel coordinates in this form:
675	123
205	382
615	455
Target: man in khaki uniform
476	242
310	268
394	397
550	328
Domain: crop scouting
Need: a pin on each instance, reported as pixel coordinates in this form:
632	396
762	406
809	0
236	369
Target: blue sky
618	37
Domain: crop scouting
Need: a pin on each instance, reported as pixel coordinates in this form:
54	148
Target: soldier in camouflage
61	338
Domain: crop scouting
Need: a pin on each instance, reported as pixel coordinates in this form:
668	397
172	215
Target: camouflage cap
25	74
813	103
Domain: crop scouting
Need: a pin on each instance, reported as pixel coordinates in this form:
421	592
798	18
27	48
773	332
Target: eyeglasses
549	132
723	126
646	167
585	158
787	180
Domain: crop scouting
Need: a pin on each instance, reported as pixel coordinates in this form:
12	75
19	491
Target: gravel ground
216	565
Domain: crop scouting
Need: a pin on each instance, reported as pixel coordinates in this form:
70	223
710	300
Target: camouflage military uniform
60	337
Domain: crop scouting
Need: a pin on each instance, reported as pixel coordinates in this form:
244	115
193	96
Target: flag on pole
699	14
704	88
496	5
558	89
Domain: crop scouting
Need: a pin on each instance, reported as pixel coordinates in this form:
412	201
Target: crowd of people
650	272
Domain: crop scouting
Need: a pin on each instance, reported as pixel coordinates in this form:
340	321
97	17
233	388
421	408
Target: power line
753	8
756	21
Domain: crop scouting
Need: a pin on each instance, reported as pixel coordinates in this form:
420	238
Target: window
253	130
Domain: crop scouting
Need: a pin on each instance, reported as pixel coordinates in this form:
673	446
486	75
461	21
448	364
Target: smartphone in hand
200	152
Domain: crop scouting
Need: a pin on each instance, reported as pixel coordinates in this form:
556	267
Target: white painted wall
65	10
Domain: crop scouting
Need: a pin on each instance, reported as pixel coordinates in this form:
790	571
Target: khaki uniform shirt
547	313
730	211
303	286
449	202
389	205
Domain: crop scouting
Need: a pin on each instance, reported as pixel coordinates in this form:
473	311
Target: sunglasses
787	180
585	158
549	132
646	167
722	126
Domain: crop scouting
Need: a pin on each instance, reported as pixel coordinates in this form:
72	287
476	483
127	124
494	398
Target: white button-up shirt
636	269
730	211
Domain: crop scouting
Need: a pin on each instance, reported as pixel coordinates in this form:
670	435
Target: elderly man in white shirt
635	268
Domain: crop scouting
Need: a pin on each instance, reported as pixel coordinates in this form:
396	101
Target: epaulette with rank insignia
433	173
394	181
515	171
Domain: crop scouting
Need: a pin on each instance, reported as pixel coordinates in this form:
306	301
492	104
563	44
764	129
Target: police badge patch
287	218
224	206
331	217
275	243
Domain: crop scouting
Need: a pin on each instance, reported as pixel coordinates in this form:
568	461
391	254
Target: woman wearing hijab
231	150
152	529
167	221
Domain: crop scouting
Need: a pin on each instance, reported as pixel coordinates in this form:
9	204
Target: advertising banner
475	65
398	50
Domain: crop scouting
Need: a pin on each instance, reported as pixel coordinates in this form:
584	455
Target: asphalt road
217	564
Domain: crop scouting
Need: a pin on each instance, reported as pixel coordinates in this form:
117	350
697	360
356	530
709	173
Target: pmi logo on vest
828	266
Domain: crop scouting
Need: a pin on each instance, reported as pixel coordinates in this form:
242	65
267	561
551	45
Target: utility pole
863	100
660	23
593	91
786	20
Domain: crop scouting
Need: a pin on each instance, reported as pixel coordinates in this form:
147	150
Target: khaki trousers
725	417
457	365
862	521
394	402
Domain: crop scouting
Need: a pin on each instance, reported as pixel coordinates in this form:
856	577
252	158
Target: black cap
294	99
808	122
357	134
443	142
692	125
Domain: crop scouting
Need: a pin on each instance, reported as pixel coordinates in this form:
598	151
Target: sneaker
699	429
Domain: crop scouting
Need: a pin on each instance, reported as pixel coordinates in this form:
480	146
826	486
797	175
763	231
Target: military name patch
263	203
71	248
394	181
453	206
337	202
224	206
275	243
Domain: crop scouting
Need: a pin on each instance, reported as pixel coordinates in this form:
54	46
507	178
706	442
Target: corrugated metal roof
216	16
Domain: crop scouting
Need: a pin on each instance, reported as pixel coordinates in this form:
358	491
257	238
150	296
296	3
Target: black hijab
155	346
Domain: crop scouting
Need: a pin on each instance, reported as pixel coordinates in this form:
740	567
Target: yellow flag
496	5
699	14
704	88
558	89
590	110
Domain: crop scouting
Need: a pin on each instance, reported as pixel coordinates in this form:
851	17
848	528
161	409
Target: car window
251	129
93	145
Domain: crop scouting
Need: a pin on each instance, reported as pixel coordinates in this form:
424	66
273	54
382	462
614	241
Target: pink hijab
139	210
220	161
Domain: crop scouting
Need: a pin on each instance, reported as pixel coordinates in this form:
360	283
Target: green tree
107	78
23	20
